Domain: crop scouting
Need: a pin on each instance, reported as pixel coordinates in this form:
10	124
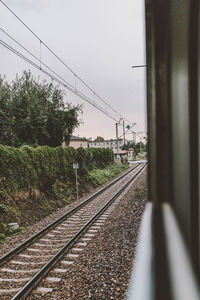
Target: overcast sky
99	39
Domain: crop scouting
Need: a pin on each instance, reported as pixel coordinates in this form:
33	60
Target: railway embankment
35	182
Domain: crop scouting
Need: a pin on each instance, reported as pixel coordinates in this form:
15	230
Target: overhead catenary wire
80	94
127	130
61	60
34	56
50	69
70	88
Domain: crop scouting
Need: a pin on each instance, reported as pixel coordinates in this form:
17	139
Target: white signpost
75	167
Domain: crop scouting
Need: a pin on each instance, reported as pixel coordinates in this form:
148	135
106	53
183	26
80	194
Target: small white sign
75	166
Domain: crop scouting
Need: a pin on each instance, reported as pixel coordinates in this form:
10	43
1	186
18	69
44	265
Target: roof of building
77	138
104	141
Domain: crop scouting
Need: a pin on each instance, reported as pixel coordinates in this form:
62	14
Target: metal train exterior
167	260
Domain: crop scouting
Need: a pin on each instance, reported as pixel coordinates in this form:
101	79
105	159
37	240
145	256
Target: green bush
36	181
25	168
3	208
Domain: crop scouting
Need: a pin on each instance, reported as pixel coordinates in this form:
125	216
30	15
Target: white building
112	144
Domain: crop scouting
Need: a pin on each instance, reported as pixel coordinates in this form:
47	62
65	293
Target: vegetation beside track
37	181
100	176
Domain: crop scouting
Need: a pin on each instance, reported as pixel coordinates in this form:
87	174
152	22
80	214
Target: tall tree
140	147
34	113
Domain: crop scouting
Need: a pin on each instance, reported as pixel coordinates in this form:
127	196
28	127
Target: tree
99	139
128	146
34	113
140	148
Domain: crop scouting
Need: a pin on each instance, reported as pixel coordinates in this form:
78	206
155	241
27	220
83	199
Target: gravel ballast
102	270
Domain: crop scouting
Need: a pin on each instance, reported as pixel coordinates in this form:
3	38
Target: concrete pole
134	144
133	136
117	144
124	131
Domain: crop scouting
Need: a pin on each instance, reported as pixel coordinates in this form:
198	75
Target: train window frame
173	210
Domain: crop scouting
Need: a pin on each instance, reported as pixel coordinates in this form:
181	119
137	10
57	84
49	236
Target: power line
70	88
39	60
127	130
41	63
70	69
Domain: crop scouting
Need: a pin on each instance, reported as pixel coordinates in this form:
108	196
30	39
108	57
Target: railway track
25	266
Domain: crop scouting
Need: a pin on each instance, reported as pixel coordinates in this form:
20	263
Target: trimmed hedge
26	167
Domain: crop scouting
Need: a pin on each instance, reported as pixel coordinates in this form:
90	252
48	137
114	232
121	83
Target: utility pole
133	137
134	143
117	144
124	131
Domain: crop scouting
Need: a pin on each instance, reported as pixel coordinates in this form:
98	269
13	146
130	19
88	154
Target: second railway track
26	265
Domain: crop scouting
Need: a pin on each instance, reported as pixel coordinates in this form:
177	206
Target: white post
75	167
76	184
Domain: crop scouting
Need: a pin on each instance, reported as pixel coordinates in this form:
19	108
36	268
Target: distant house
77	142
112	144
130	152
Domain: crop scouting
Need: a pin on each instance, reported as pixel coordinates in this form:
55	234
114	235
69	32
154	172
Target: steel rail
29	241
33	282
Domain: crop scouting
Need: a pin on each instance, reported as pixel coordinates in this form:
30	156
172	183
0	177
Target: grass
10	232
100	176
